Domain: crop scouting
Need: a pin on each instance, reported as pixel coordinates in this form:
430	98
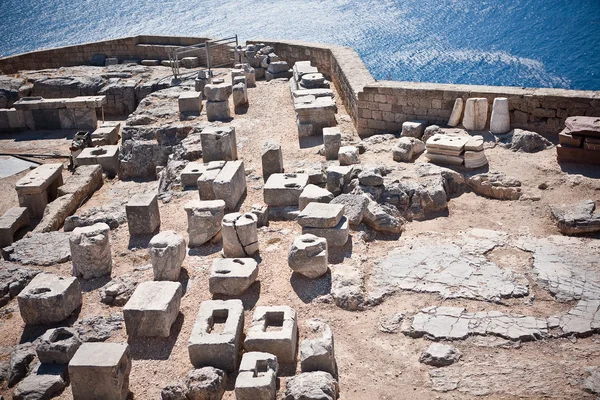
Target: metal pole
208	59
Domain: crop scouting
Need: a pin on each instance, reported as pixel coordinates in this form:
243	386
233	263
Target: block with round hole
308	256
232	276
284	189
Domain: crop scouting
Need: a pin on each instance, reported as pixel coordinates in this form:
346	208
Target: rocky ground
493	278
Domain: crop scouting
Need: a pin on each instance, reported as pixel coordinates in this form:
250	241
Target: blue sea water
530	43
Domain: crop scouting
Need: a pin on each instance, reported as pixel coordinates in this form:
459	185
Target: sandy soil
372	364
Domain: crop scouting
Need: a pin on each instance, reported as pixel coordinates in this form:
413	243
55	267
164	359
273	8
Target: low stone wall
136	47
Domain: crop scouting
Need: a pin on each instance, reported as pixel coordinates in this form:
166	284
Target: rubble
528	142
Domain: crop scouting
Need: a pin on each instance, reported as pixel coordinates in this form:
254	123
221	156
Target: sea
524	43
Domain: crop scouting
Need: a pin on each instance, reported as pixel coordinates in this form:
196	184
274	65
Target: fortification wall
136	47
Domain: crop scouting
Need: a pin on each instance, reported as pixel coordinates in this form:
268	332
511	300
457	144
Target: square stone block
152	309
100	371
230	184
39	187
194	170
218	111
190	102
106	156
272	160
218	143
274	330
257	377
314	194
10	222
336	236
49	298
206	179
217	334
143	217
217	92
232	276
204	220
284	189
319	215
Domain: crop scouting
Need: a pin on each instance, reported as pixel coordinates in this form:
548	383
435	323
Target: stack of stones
456	150
325	220
579	142
258	56
217	101
201	81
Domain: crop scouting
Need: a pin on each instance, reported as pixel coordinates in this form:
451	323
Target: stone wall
136	47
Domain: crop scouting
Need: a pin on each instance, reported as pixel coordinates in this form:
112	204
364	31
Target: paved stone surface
453	268
440	355
455	323
41	249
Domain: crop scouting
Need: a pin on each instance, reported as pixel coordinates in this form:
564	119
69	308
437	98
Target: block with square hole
257	377
232	276
284	189
217	334
152	309
274	330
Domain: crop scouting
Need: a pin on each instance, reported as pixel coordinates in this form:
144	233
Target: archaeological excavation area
187	219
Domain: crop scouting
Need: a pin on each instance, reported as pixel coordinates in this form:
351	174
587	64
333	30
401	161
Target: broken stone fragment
413	129
90	251
316	385
495	185
355	207
308	256
317	350
407	149
383	218
348	155
167	252
528	142
577	218
500	120
313	193
440	355
58	346
475	116
204	220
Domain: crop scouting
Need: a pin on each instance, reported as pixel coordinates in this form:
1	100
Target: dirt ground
371	364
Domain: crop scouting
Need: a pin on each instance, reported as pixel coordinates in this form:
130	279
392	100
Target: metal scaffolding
176	54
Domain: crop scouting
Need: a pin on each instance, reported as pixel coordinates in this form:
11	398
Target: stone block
240	235
262	214
218	143
414	129
313	193
457	113
500	120
105	156
332	141
90	251
257	377
143	217
190	102
106	135
218	92
278	67
317	351
152	309
475	116
274	330
207	172
284	189
167	252
230	184
36	189
240	95
72	118
318	215
232	276
100	371
337	178
11	221
249	73
150	63
336	236
475	159
348	155
308	256
190	62
218	111
217	334
446	144
204	220
49	298
58	346
272	160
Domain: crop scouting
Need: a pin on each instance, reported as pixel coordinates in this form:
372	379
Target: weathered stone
58	346
20	360
167	252
232	276
118	291
355	207
90	251
317	215
332	141
257	377
45	382
49	298
407	149
284	189
440	355
98	328
317	351
218	92
337	178
448	145
281	342
272	160
313	193
336	236
217	334
174	391
13	280
370	177
430	131
100	371
413	129
105	156
152	309
240	95
316	385
249	73
262	214
206	178
457	112
205	383
495	185
230	184
475	116
219	143
218	111
391	323
475	159
240	235
207	171
204	220
106	135
347	287
592	381
576	219
39	187
10	222
383	218
143	216
500	120
308	256
528	142
190	102
348	155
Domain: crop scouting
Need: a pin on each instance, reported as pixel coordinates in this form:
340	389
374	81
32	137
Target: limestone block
190	62
167	252
239	79
232	276
446	144
49	298
318	215
45	381
281	341
414	129
348	155
105	156
39	187
76	118
303	67
190	102
475	143
100	371
313	193
308	256
218	143
10	222
457	113
58	346
262	214
284	189
206	179
204	220
199	85
272	160
249	73
257	377
217	334
90	251
106	135
311	386
230	184
240	235
217	92
143	217
475	117
194	170
313	81
500	120
475	159
355	207
151	63
337	178
317	351
444	159
218	111
332	141
240	95
407	149
152	309
336	236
